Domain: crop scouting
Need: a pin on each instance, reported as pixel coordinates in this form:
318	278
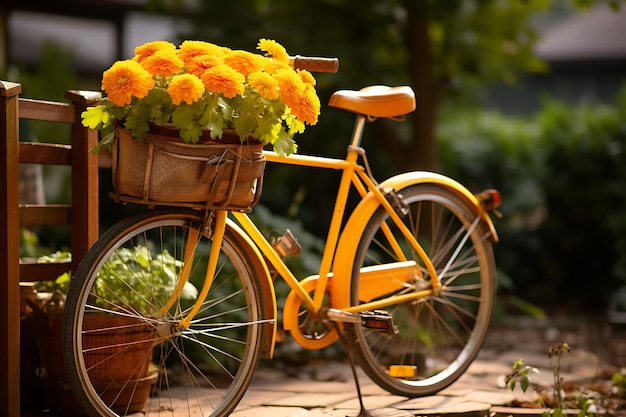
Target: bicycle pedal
379	320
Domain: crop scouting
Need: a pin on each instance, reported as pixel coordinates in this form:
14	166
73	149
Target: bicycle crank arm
378	319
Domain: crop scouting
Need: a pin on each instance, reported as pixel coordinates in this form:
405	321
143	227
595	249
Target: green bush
562	175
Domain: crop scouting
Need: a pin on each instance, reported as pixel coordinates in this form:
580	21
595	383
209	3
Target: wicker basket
163	170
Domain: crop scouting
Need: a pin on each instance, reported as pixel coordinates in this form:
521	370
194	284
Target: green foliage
561	174
133	278
585	403
130	278
520	373
619	382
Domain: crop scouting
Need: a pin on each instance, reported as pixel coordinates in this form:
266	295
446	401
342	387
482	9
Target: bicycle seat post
357	132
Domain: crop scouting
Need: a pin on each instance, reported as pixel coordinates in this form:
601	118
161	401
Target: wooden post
85	212
9	251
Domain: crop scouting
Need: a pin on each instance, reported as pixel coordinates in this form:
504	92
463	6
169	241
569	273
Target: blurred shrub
562	175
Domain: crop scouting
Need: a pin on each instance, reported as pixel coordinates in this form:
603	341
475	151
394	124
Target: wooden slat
32	271
45	215
45	153
50	111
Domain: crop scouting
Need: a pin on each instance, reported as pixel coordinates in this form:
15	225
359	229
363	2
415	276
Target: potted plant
187	124
131	359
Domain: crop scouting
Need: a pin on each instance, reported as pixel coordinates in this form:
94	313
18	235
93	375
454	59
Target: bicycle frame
352	174
339	240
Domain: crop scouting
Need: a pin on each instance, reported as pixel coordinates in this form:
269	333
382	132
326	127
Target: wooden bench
81	214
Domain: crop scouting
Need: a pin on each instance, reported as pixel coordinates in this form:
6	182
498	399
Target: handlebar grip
315	64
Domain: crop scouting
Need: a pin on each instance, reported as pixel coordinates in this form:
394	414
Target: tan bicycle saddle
376	101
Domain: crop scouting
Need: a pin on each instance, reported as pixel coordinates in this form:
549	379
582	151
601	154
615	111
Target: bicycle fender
348	243
268	296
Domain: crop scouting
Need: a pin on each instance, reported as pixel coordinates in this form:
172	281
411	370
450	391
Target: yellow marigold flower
148	49
222	79
265	84
164	62
290	85
272	67
201	63
274	49
125	80
243	61
307	107
185	87
190	49
306	77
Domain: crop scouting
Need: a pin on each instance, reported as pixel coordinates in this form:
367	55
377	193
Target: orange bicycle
407	279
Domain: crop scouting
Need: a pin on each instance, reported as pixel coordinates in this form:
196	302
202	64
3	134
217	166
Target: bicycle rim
123	312
438	335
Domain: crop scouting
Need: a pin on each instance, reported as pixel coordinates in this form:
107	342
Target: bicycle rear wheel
124	309
439	335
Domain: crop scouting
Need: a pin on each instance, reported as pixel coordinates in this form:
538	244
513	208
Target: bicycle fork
219	226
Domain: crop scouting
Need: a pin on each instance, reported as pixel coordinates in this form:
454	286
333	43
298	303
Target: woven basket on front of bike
164	171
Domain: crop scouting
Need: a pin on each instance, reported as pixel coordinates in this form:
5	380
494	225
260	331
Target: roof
596	34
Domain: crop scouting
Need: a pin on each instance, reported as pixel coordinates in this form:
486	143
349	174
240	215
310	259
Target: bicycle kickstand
342	336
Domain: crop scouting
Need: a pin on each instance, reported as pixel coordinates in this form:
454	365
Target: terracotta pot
130	365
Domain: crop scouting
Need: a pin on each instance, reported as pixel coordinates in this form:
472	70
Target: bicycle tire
202	370
439	335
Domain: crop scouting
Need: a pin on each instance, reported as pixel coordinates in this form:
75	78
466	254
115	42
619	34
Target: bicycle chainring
306	329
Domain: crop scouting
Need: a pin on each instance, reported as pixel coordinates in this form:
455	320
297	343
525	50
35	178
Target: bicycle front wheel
126	348
439	335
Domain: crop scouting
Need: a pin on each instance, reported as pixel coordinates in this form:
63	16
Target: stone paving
327	388
331	391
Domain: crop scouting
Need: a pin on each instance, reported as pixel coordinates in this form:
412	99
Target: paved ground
326	388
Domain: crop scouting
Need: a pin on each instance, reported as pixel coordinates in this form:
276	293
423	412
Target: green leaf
244	126
524	382
190	134
95	117
138	126
518	363
284	144
183	116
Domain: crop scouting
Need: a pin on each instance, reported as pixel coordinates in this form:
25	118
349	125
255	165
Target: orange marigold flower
272	67
290	85
190	49
222	79
185	87
274	49
125	80
307	107
164	62
148	49
201	63
306	77
243	61
265	84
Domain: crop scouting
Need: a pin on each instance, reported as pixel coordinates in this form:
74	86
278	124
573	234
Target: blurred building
587	57
97	32
586	50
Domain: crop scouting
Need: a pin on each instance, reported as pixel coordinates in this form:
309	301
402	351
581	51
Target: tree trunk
420	152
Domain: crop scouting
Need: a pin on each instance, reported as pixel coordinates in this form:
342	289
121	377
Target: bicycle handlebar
315	64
